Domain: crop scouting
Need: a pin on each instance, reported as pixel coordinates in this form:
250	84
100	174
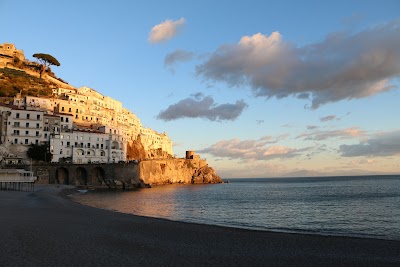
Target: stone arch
114	145
90	152
80	176
98	175
62	176
79	152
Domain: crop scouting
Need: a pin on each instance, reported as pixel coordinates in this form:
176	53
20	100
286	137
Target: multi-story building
87	147
24	127
69	109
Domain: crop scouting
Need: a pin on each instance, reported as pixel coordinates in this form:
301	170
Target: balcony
29	127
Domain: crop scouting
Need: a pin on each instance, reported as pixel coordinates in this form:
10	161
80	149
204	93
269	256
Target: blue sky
259	88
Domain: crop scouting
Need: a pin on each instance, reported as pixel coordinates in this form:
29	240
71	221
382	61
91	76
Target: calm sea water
352	206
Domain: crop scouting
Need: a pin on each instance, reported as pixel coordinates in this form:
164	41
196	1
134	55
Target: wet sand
42	228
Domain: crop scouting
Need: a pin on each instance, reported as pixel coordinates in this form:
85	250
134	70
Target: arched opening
114	145
80	176
98	175
62	176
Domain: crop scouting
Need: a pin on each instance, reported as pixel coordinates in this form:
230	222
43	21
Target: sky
258	88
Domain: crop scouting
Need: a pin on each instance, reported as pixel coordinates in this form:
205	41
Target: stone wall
125	175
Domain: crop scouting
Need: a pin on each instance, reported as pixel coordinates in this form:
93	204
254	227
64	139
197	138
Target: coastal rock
177	171
206	175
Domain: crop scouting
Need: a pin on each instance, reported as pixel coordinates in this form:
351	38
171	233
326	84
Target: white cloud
252	149
200	106
341	134
165	30
381	145
343	66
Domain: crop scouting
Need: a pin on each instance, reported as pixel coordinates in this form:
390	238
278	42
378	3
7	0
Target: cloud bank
251	149
342	66
382	145
200	106
165	30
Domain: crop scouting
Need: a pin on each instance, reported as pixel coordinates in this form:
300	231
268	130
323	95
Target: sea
357	206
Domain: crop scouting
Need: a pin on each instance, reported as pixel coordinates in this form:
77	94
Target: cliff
183	171
135	150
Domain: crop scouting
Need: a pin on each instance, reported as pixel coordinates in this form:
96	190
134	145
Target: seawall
125	175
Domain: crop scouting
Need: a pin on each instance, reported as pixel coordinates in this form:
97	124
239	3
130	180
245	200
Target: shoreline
45	227
272	231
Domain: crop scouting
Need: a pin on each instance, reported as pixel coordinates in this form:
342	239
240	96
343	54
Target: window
101	146
68	144
36	142
17	115
15	141
76	111
69	110
88	152
37	133
62	119
45	135
27	125
16	124
62	109
76	116
66	120
37	125
26	132
16	132
60	151
28	116
26	141
38	117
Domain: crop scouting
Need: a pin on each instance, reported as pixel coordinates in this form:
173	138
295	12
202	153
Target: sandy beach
43	228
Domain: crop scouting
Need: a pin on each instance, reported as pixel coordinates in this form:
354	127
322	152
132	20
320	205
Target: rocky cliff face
170	171
135	150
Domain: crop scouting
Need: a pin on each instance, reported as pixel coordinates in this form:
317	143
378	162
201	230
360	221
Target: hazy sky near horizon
259	88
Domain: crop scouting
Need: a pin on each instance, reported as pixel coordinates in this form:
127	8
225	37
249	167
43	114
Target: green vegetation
39	152
14	81
46	60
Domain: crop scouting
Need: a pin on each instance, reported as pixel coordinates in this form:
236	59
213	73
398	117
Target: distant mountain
354	172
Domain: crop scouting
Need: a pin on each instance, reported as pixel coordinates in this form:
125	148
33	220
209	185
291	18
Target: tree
39	152
46	60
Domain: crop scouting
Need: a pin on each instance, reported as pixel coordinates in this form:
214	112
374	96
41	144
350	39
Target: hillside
14	81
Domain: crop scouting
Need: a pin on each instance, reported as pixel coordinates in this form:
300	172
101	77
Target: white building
87	147
24	127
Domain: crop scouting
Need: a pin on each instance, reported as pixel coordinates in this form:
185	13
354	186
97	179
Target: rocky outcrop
206	175
158	154
135	150
171	171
